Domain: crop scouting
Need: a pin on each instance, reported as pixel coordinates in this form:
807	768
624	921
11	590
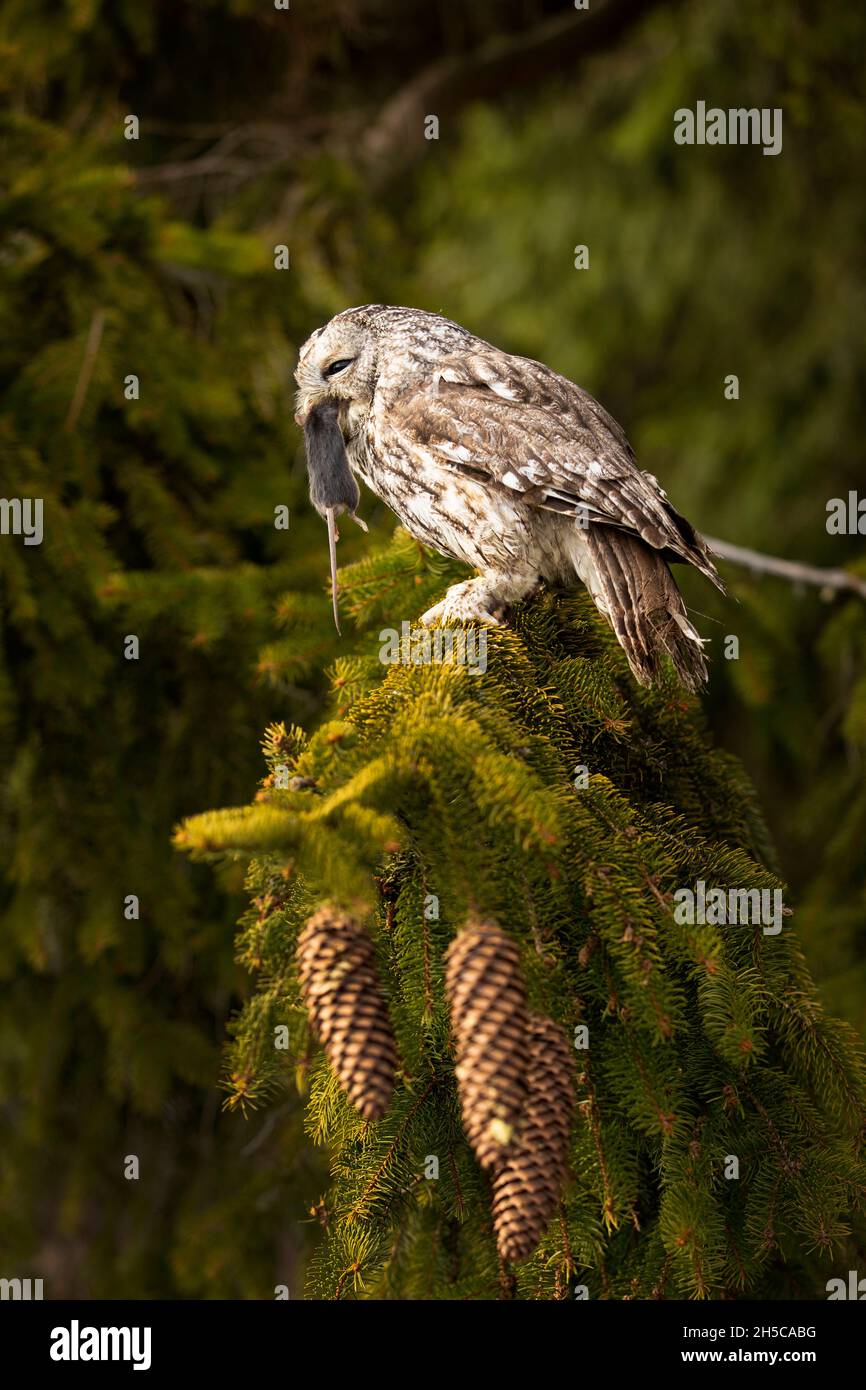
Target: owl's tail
634	589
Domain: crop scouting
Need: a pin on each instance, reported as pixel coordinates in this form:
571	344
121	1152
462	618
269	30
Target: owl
503	464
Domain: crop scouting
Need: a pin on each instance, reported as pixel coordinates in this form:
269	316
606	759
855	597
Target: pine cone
526	1189
341	990
489	1021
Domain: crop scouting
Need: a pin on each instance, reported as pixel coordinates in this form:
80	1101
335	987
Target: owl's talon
469	602
440	614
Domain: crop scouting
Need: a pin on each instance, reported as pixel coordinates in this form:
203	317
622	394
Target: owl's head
338	363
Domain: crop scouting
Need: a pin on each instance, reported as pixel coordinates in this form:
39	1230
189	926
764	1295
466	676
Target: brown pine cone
527	1188
341	990
487	995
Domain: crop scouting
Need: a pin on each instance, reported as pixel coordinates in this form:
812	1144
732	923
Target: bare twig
85	372
394	138
791	570
552	48
240	153
269	1125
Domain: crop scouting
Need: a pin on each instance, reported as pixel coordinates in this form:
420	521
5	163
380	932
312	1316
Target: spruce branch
431	782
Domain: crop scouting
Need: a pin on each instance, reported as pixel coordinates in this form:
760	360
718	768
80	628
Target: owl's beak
301	415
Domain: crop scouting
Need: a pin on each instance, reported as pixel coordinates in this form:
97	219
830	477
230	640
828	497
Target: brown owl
502	463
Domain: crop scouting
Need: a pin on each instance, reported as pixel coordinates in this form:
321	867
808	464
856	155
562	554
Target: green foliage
704	1042
158	522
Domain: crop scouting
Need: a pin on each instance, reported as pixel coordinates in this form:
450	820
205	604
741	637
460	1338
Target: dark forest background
155	257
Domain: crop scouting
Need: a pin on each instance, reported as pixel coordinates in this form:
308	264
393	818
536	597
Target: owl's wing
516	424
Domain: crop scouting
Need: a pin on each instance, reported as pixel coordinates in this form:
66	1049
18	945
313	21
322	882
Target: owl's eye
339	366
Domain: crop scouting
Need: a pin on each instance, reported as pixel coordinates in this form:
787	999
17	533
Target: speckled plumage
502	463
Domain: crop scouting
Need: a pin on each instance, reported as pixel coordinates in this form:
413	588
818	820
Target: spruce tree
715	1150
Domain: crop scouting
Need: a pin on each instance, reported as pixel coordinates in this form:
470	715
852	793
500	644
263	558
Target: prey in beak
333	488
